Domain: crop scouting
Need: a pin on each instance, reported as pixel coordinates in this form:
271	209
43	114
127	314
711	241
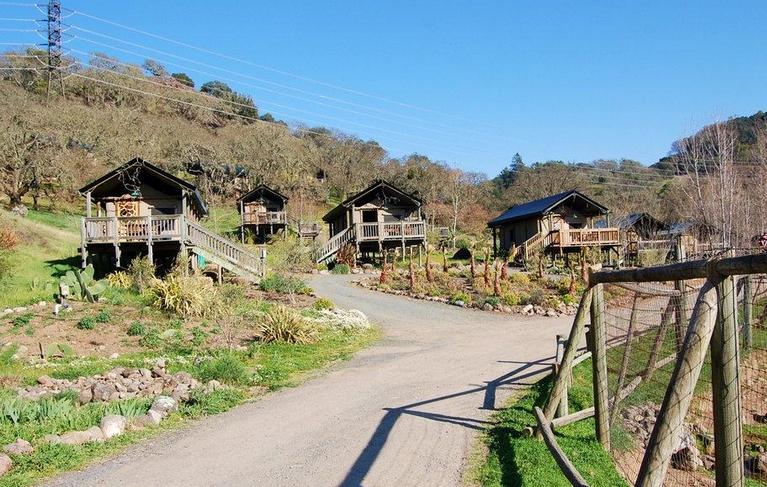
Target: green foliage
282	324
184	79
103	316
22	320
536	297
215	402
511	298
242	104
63	350
290	254
184	295
493	300
86	323
136	328
323	303
225	367
142	274
460	296
519	278
151	339
279	283
82	285
340	269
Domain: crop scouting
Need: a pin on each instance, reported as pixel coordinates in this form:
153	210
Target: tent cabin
692	239
379	217
560	223
262	213
640	231
139	209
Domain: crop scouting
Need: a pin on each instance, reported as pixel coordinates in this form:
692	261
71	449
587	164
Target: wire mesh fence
680	385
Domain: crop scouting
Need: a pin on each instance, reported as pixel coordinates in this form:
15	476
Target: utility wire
275	70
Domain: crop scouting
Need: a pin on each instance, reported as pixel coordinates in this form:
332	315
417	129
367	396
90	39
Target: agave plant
82	285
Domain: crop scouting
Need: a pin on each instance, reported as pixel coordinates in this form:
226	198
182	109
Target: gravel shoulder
403	412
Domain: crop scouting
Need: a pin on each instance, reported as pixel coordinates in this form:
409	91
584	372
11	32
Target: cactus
82	285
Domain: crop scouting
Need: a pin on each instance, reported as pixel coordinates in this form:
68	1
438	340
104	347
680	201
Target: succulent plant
82	285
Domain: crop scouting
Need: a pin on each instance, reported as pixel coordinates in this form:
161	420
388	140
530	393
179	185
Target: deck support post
748	310
495	241
725	385
598	347
149	243
116	240
242	222
83	245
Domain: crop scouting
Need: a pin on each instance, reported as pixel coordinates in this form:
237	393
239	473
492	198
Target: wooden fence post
680	389
563	408
748	311
598	348
681	314
725	385
576	335
665	322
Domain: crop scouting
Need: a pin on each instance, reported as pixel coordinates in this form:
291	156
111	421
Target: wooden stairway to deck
333	245
223	252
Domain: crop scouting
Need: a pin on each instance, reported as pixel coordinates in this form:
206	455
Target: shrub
136	328
226	367
347	254
202	403
87	323
120	280
519	278
460	296
151	339
103	316
290	254
284	284
8	241
493	300
343	320
340	269
184	295
141	272
282	324
323	303
570	299
536	297
511	298
21	321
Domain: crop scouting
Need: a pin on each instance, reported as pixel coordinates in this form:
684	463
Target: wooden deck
265	218
571	238
132	229
383	231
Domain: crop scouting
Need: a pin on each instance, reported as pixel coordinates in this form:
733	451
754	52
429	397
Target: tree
509	174
183	78
155	69
216	88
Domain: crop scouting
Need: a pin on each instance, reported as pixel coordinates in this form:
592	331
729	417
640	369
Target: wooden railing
224	248
264	218
308	228
390	230
585	237
130	229
335	243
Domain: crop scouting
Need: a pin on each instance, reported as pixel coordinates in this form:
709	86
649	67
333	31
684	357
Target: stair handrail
225	248
336	242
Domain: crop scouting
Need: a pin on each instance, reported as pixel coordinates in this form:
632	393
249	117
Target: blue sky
475	81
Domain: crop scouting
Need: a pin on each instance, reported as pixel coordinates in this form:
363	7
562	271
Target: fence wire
645	327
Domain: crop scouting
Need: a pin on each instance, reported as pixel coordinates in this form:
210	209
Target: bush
103	316
493	300
202	403
8	241
340	269
141	272
120	280
460	296
519	278
20	321
226	367
290	254
136	328
151	339
87	323
323	303
282	284
282	324
511	298
536	297
184	295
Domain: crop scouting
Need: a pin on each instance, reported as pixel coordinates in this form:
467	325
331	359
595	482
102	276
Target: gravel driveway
403	412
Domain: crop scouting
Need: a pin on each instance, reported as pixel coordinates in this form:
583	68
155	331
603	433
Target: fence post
728	429
562	409
665	322
681	313
598	348
625	360
680	389
576	335
748	310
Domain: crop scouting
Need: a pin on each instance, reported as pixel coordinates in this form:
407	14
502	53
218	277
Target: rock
487	307
113	425
164	405
19	447
686	456
114	355
460	304
102	391
20	309
73	438
504	308
44	380
5	464
160	362
709	462
96	434
551	312
20	210
528	309
151	418
85	396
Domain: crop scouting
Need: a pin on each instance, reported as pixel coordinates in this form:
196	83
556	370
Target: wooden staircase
223	252
333	245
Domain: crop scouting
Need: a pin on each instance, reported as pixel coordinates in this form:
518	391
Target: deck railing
224	248
390	230
264	218
585	237
133	228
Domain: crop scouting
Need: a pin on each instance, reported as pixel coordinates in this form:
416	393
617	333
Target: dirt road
403	412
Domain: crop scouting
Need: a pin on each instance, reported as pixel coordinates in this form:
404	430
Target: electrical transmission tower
54	45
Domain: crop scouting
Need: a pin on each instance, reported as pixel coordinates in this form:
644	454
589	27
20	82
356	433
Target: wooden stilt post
748	310
149	244
680	390
725	385
83	245
598	347
576	335
681	313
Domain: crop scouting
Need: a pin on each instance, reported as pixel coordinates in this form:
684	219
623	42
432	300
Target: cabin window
369	216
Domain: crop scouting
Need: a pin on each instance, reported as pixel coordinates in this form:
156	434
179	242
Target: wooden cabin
379	217
262	213
640	232
559	223
693	239
140	209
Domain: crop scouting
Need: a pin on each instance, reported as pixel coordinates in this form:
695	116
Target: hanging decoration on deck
129	177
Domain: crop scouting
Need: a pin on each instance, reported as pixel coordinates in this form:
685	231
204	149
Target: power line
260	80
275	70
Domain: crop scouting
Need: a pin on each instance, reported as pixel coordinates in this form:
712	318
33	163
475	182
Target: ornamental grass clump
192	295
282	324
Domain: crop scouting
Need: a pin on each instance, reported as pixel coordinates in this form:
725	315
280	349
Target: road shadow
361	467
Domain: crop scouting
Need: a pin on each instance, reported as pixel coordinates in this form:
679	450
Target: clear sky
475	81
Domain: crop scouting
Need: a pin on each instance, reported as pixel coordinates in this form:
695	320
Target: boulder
528	309
5	464
102	391
164	405
19	447
113	425
686	456
487	307
96	434
73	438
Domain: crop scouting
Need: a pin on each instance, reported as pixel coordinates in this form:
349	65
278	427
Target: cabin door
126	211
